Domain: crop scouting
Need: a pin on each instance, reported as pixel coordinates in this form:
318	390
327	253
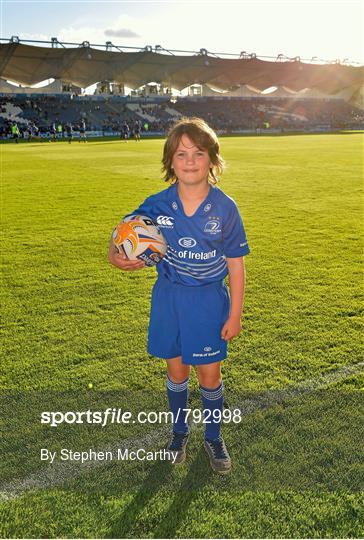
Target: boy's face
190	163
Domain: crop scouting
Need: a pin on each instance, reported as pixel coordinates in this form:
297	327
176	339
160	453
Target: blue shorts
187	321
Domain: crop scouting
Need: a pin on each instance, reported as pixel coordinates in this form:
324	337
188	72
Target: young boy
206	242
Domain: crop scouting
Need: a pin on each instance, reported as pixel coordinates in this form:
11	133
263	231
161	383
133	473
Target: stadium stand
225	114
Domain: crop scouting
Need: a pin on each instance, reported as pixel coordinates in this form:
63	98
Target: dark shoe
219	457
177	446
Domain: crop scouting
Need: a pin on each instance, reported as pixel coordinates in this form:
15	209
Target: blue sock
177	397
212	399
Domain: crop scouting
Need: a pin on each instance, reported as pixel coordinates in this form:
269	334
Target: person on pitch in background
190	300
69	131
15	132
137	129
125	131
82	128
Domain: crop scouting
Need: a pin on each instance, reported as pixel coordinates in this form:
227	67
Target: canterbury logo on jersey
165	221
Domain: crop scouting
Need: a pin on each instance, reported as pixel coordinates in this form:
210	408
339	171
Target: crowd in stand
43	115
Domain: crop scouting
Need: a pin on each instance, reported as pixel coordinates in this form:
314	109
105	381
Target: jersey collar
203	209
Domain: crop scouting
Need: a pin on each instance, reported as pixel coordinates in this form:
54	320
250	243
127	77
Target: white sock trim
177	387
214	394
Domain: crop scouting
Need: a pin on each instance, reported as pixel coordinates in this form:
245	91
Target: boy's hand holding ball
126	264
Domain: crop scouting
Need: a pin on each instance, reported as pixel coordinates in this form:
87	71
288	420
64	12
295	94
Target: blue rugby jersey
197	245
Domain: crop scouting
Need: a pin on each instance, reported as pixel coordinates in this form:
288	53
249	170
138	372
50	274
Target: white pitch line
54	475
272	397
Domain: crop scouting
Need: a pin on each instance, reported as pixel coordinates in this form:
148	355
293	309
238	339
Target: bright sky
326	29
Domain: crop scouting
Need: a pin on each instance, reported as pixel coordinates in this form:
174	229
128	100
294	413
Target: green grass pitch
70	318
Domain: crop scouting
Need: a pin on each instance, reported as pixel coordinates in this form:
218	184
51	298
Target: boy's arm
237	278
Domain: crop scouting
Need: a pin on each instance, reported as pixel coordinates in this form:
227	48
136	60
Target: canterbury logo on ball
165	221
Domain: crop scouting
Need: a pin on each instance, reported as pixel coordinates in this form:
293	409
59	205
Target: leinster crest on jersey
213	226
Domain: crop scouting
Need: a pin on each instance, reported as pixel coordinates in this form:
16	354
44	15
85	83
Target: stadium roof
84	65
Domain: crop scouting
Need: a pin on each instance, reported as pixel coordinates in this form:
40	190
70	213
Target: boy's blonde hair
204	138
